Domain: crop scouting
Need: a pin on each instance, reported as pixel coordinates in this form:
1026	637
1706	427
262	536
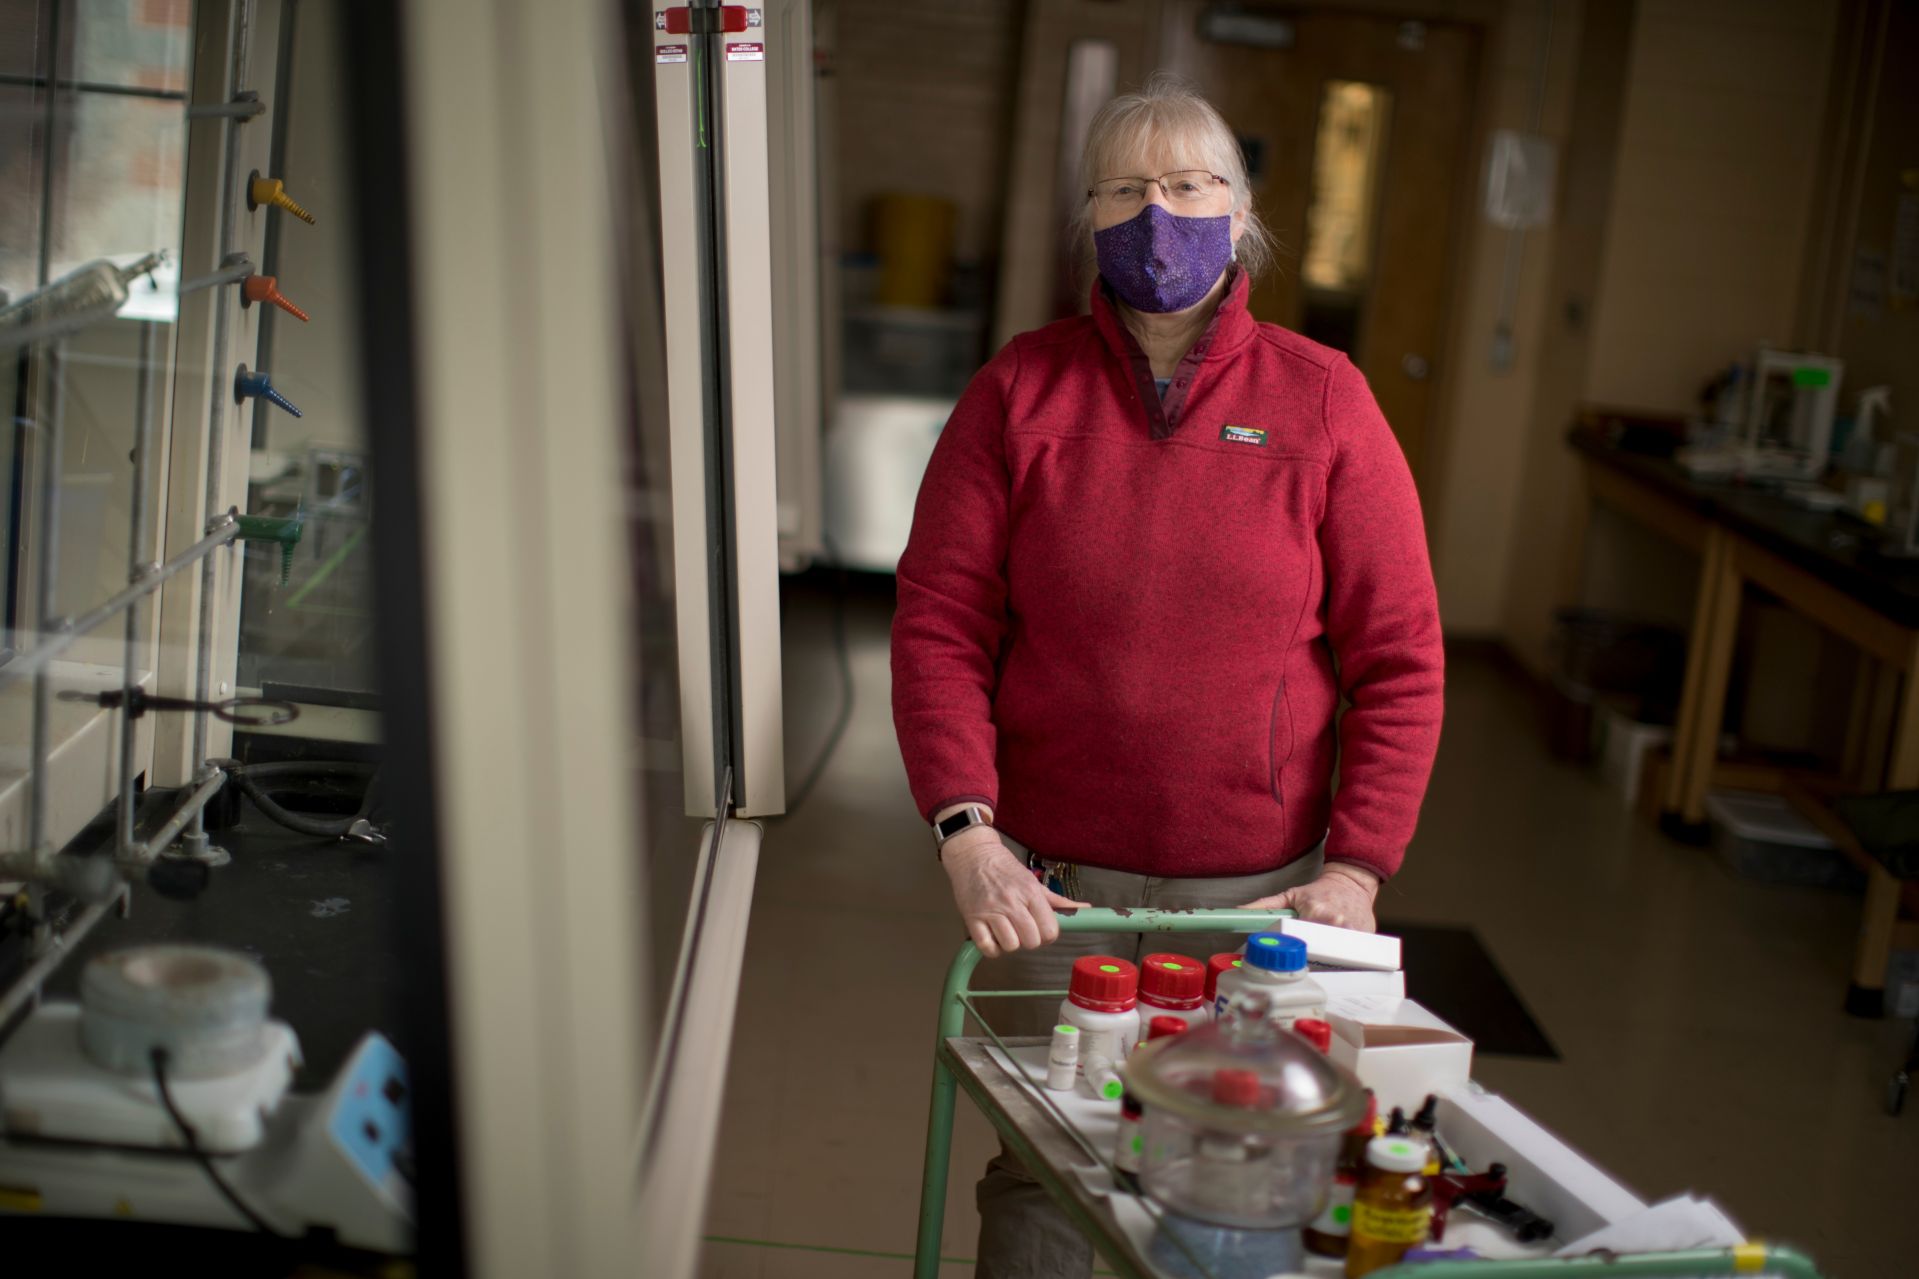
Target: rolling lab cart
1057	1153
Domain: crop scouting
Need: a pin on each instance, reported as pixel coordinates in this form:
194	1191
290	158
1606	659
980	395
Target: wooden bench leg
1866	997
1698	646
1719	616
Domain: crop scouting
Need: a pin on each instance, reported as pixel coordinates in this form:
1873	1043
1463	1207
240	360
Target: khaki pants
1022	1235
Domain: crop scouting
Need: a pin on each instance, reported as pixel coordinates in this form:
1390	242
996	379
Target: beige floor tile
1697	1015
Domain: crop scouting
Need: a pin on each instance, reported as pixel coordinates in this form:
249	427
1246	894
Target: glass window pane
23	37
139	44
22	173
118	192
1348	155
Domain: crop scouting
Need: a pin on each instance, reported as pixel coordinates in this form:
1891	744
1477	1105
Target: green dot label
1172	967
1267	941
1239	963
1113	1089
1343	1215
1139	1143
1066	1030
1400	1148
1109	968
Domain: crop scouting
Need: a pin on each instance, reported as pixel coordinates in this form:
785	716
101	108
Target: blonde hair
1167	114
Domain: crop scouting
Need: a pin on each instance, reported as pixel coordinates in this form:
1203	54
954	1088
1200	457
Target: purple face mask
1160	262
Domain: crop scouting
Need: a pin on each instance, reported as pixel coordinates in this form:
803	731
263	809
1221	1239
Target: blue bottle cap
1276	953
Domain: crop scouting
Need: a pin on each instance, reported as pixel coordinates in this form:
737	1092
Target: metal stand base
197	848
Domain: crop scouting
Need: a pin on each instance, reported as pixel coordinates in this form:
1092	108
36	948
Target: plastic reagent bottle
1102	1076
1102	1000
1327	1235
1172	986
1392	1206
1128	1144
1316	1032
1275	964
1214	967
1062	1059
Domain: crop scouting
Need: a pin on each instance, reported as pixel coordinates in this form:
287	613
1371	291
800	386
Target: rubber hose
244	775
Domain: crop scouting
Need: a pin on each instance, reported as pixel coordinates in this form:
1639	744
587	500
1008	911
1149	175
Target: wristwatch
953	823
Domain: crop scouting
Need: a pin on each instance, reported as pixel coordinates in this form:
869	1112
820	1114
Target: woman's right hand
1005	907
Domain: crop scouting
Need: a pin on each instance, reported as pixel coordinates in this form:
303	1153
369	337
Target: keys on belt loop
1059	877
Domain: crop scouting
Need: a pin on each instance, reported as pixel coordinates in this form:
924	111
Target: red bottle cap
1104	983
1315	1032
1161	1027
1236	1087
1217	965
1171	981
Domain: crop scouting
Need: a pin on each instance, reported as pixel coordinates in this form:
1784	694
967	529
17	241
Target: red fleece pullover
1128	626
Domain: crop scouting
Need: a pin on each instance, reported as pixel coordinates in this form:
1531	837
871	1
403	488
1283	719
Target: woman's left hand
1342	896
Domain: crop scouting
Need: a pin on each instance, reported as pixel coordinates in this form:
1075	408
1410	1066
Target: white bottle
1103	1001
1062	1059
1275	966
1172	986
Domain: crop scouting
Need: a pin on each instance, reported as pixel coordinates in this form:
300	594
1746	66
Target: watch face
953	825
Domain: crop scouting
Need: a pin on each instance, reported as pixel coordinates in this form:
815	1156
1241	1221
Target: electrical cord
844	661
247	778
192	1140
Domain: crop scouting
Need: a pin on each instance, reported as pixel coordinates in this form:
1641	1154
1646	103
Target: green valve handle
285	530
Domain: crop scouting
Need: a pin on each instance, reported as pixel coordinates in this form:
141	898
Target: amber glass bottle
1393	1206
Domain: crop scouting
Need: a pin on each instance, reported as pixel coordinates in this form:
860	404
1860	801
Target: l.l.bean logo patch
1243	435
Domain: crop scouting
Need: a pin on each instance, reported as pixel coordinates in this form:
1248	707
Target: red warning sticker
670	53
746	53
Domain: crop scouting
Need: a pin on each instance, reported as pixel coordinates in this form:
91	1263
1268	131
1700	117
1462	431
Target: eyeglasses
1184	187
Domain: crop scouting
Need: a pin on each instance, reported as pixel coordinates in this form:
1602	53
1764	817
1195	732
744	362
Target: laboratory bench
1828	568
317	912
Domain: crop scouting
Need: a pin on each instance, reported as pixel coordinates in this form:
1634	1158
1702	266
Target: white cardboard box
1545	1174
1342	984
1398	1049
1344	947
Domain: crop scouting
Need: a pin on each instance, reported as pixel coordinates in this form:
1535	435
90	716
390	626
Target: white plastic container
1062	1059
1172	986
1276	966
1103	1001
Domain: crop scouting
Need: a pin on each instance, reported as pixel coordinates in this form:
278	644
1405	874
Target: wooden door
1377	110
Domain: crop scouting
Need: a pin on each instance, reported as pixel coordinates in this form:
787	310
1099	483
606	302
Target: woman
1155	548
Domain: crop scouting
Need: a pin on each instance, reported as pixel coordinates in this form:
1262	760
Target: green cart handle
952	1021
1707	1263
1100	919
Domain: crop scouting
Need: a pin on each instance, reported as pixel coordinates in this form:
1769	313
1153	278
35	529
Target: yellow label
1748	1258
1390	1225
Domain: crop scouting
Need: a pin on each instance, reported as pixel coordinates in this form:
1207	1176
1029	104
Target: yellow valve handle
272	191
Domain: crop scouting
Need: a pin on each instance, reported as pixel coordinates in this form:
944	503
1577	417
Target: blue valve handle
258	384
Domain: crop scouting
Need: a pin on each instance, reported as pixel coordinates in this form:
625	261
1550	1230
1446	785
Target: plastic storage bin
1763	837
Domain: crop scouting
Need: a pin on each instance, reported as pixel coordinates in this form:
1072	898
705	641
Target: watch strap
962	819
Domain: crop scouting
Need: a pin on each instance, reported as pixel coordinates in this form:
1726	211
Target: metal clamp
137	702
